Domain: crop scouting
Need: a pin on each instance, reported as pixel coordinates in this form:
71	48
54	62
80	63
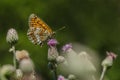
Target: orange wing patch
36	22
38	31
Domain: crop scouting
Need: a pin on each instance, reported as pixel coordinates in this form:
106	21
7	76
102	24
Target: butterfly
38	31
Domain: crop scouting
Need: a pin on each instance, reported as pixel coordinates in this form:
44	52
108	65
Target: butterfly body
38	31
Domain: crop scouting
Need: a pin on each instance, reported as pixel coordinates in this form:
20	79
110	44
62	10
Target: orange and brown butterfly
38	31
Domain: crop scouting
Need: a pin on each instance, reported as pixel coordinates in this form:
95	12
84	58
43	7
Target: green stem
54	70
14	59
55	74
103	72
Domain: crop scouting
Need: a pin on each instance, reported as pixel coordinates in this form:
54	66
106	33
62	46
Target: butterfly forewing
38	31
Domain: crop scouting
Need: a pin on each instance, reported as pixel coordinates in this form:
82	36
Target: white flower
86	64
71	77
6	70
52	53
19	74
60	59
26	65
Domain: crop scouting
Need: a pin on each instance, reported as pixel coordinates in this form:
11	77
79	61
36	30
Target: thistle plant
107	62
6	70
75	66
25	71
52	56
26	65
12	38
60	77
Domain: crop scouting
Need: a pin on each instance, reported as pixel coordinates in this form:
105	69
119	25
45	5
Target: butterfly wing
38	31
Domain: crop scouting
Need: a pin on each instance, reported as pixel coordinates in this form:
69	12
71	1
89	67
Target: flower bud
52	42
52	53
70	53
23	54
85	63
60	77
12	36
26	65
108	61
7	70
60	59
71	77
67	47
19	74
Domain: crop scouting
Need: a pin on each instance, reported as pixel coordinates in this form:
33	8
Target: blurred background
93	23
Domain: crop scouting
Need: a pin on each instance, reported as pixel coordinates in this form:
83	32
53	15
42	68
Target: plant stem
14	59
103	72
54	70
55	74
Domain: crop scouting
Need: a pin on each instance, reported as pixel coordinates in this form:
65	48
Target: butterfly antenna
60	29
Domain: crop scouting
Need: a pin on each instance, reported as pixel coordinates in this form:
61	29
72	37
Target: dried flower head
108	61
26	65
23	54
67	47
52	42
12	36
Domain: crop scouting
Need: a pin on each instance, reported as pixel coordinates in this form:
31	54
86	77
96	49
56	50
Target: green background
93	23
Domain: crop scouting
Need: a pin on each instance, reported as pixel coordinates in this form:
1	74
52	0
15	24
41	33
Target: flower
60	77
112	55
71	77
21	55
19	74
60	59
12	36
52	42
7	70
85	63
67	47
108	61
52	53
70	53
26	65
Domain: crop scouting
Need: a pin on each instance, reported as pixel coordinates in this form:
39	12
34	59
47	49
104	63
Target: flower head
112	55
60	59
26	65
7	70
71	77
61	77
19	74
52	42
12	36
108	61
52	53
23	54
67	47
